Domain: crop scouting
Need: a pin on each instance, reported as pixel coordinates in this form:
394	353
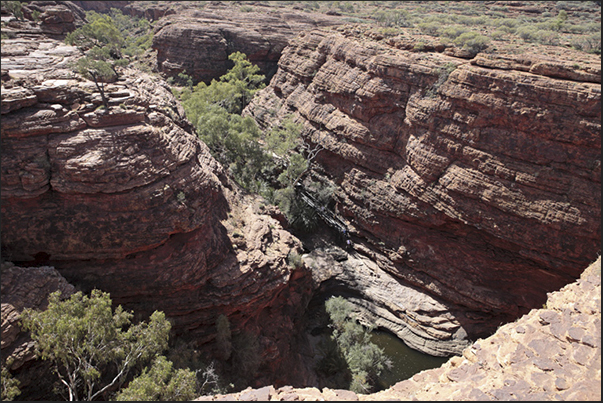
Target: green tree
364	359
215	110
14	7
161	383
102	41
99	32
93	348
10	385
245	78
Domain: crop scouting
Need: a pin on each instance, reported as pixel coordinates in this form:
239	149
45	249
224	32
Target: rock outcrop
198	40
142	9
553	353
474	181
128	200
55	19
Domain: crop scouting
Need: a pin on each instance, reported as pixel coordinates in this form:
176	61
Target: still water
405	361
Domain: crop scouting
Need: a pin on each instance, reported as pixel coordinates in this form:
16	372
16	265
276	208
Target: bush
10	385
590	43
443	73
393	18
472	41
91	347
454	31
364	359
14	7
161	382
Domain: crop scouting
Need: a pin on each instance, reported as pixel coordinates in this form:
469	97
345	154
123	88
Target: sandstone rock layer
198	40
475	181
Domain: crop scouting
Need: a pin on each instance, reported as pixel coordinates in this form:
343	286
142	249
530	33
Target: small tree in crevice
365	361
102	41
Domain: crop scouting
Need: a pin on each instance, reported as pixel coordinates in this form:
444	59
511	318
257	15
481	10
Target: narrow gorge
469	183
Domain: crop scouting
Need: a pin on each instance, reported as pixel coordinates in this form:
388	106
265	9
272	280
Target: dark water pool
405	361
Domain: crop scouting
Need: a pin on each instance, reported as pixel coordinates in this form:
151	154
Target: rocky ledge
553	353
475	180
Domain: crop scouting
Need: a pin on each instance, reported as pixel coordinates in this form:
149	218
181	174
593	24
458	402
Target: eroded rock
478	184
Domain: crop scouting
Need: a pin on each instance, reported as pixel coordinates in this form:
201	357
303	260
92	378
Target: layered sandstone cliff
128	200
473	181
198	39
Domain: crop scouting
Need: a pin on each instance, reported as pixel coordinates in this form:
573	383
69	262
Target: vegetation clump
10	385
268	163
350	351
108	41
95	350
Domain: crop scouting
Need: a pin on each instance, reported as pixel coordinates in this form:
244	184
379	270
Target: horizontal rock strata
475	181
198	40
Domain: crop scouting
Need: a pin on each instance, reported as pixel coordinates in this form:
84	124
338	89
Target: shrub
161	382
10	385
393	18
364	359
443	73
454	31
91	347
430	28
472	41
14	7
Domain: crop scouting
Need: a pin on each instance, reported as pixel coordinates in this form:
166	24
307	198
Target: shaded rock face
475	181
199	41
27	288
129	201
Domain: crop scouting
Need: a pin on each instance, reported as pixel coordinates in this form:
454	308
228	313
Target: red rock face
480	185
199	40
129	201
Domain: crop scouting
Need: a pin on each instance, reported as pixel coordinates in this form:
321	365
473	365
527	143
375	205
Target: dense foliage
161	383
266	163
91	347
350	350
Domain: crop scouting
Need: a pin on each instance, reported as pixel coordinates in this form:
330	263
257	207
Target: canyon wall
473	180
128	200
198	40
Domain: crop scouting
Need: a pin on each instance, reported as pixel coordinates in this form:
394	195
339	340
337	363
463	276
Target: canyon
470	184
478	187
128	200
